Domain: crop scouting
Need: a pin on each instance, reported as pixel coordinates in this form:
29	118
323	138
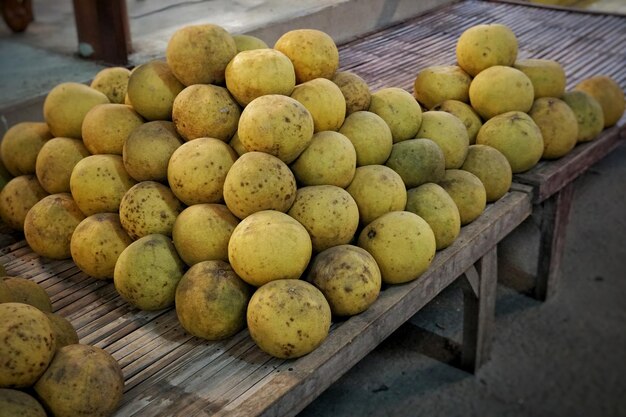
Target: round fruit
248	42
417	161
370	135
106	127
468	193
558	125
56	161
465	113
355	91
439	83
500	89
112	82
152	88
589	114
20	146
324	100
483	46
18	403
447	131
25	291
492	169
16	199
608	93
547	76
312	52
399	110
64	332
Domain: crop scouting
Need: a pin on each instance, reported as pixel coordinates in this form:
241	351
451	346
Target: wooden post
103	30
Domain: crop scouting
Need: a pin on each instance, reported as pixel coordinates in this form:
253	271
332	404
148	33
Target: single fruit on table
152	88
82	380
64	332
269	245
558	125
197	170
149	207
259	181
447	131
328	213
349	278
288	318
148	149
402	243
370	135
546	75
324	100
517	136
211	300
201	233
27	345
278	125
112	82
465	113
198	54
248	42
433	204
236	144
588	112
98	183
106	127
16	199
608	93
254	73
312	52
15	403
49	225
441	82
377	189
492	169
330	159
205	111
399	109
484	46
499	90
468	193
355	91
96	244
25	291
417	161
148	271
66	105
56	161
20	146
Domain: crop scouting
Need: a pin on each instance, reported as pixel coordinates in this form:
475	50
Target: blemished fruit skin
152	88
608	93
399	109
468	193
589	114
483	46
106	127
417	161
288	318
492	168
16	199
324	100
355	91
21	145
56	161
312	52
436	84
547	76
558	125
447	131
112	82
465	113
18	403
25	291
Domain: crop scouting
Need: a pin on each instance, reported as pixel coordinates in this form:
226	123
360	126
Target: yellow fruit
16	199
312	52
288	318
349	278
377	189
98	183
328	213
269	245
148	271
18	403
197	170
248	42
66	105
96	244
152	88
106	127
205	111
20	146
27	345
82	380
608	93
49	225
149	207
517	136
588	112
465	113
211	300
355	91
402	243
370	135
198	54
417	161
330	159
558	125
492	169
399	110
433	204
324	100
468	193
56	161
254	73
278	125
236	144
484	46
439	83
547	76
258	181
64	332
447	131
112	82
201	233
500	89
25	291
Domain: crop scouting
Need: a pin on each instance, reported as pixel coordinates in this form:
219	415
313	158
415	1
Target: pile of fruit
261	187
